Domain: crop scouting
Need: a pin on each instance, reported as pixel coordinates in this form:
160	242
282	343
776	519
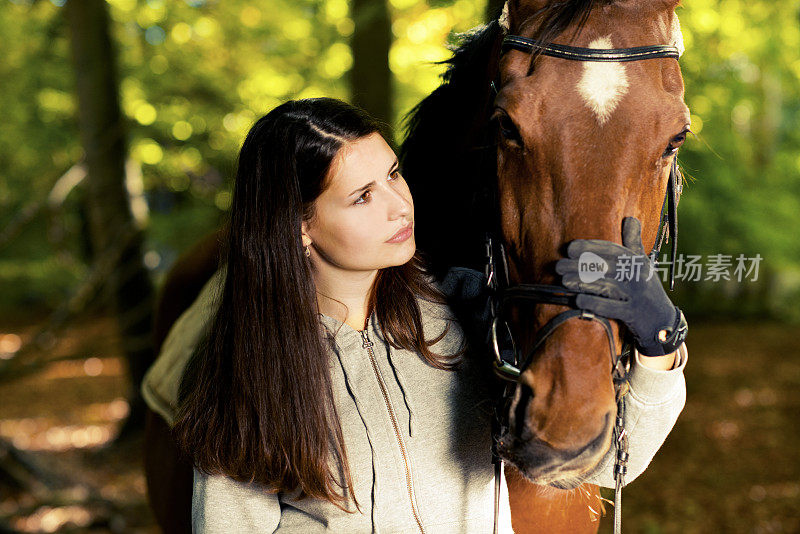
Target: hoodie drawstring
400	384
369	438
397	376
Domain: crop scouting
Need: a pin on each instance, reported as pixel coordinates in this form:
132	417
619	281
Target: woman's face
366	204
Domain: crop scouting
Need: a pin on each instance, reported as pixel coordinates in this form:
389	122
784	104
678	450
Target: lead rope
498	470
499	405
498	428
621	466
621	369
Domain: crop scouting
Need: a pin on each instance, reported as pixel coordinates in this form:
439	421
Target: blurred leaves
196	74
742	75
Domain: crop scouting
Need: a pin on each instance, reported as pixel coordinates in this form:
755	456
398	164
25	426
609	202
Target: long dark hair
256	402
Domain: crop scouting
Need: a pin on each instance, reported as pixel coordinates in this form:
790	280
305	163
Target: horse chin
566	483
557	480
540	464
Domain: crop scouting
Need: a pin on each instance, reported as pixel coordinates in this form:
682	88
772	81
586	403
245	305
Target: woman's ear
304	234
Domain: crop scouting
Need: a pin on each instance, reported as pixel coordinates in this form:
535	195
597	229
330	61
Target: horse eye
507	127
675	143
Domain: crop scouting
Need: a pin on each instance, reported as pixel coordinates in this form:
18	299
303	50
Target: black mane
449	152
448	157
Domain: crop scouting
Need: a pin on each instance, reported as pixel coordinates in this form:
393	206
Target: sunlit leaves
421	36
742	83
195	75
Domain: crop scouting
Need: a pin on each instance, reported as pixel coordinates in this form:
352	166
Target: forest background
85	245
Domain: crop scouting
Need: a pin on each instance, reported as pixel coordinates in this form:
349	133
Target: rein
503	294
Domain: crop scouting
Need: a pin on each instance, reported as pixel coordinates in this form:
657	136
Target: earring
308	251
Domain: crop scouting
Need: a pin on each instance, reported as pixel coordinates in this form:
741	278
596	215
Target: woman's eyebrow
362	188
365	187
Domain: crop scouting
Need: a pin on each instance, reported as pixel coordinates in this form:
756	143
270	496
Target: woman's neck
343	294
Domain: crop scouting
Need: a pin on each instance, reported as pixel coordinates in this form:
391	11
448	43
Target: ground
730	465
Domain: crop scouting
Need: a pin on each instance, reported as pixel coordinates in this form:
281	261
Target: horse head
580	146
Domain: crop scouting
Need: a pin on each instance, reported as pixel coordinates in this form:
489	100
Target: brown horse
583	144
574	148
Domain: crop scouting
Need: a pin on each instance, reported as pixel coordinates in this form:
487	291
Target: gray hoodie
417	439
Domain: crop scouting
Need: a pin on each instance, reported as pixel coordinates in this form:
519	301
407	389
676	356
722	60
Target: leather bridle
503	294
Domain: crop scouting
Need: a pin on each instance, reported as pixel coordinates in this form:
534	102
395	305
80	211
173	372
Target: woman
333	390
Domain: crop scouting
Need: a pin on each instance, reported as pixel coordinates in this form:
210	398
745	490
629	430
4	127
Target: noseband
503	294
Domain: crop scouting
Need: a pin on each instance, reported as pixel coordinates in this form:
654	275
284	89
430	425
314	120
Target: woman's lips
402	235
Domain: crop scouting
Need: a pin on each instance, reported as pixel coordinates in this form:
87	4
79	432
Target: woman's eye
363	199
395	174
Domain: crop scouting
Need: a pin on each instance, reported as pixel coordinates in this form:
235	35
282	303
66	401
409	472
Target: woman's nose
400	205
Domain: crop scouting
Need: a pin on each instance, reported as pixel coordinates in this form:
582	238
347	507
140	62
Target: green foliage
742	75
194	75
38	134
741	69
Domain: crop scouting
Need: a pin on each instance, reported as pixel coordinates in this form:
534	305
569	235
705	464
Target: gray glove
629	290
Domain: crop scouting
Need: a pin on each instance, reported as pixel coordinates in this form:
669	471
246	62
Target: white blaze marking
603	85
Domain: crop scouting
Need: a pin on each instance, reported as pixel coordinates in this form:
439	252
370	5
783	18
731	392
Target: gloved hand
629	290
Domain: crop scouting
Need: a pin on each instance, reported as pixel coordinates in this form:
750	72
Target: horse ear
514	13
676	35
503	19
666	8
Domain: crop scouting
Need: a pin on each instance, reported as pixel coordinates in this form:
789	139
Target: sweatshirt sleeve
160	385
221	505
652	406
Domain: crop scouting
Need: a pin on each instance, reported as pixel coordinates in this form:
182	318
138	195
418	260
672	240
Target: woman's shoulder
162	380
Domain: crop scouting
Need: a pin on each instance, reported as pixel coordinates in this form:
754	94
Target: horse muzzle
543	464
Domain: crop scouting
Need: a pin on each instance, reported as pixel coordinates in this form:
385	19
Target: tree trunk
370	77
111	223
